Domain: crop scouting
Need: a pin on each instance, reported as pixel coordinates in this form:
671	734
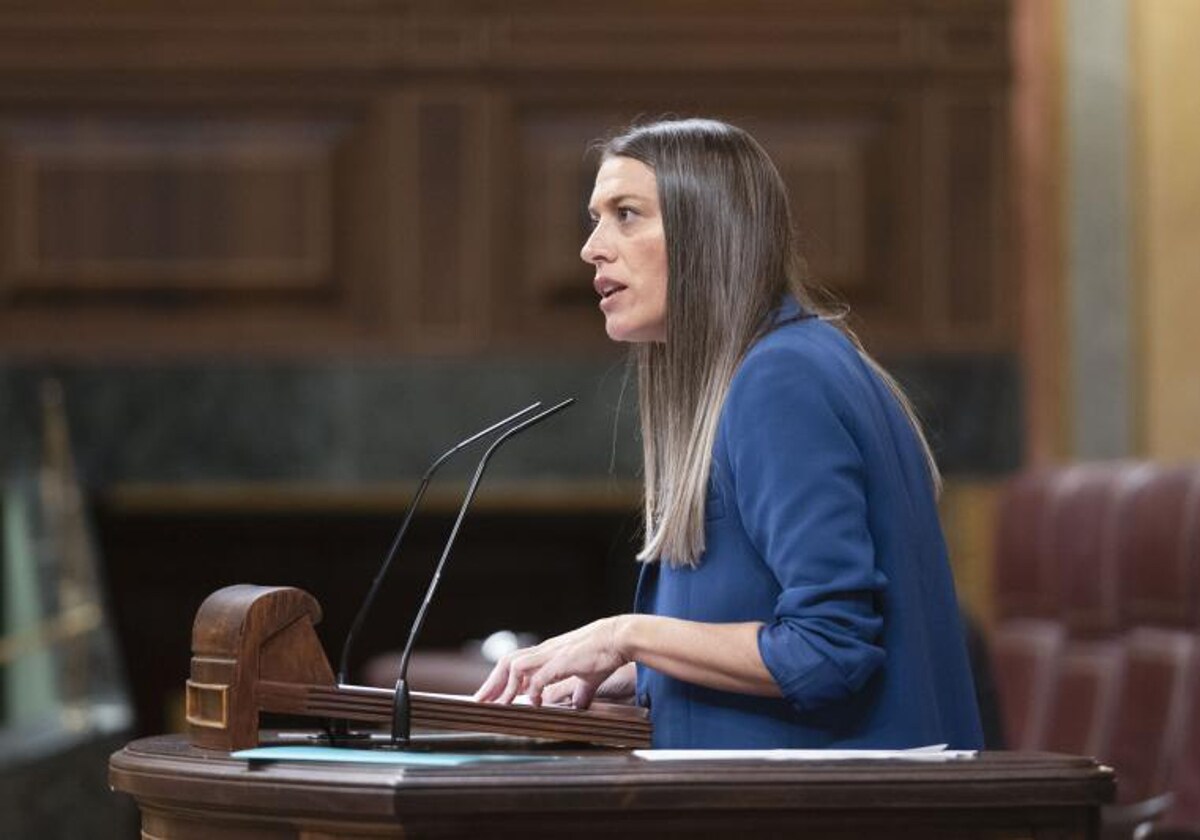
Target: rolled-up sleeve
798	480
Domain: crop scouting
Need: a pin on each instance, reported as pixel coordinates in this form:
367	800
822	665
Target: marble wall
345	423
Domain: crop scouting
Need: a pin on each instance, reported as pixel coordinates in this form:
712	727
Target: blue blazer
820	523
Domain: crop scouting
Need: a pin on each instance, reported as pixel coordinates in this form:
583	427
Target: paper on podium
933	752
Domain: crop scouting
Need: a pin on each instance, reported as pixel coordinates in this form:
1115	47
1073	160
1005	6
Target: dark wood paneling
880	35
975	214
440	221
408	177
451	271
846	165
103	205
169	231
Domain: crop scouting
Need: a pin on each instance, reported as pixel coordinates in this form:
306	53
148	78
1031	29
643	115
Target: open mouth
606	288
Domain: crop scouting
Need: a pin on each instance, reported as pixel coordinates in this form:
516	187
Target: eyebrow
617	199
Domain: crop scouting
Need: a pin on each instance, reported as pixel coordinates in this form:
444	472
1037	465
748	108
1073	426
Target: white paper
933	752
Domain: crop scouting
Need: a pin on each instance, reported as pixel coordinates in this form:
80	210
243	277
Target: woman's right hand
620	687
586	658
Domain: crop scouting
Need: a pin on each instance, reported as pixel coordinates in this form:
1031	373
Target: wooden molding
492	35
530	496
1040	237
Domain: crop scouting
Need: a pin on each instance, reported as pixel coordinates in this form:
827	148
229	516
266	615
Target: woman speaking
795	589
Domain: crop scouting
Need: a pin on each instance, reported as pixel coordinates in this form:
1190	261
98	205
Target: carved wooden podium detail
254	650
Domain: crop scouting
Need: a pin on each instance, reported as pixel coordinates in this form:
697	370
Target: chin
617	332
614	333
633	333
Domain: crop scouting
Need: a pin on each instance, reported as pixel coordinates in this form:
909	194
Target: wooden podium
254	651
187	793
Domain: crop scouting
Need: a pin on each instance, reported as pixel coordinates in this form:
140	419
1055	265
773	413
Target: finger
559	693
548	674
494	685
518	670
511	688
583	695
491	686
536	685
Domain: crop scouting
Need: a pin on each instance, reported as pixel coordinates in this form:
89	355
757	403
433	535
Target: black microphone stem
343	662
401	714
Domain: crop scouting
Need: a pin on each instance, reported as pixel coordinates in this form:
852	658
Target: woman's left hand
590	654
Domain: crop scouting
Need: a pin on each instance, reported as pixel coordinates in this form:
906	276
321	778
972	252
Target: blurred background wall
278	256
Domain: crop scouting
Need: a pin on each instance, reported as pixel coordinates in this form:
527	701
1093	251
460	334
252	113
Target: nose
595	249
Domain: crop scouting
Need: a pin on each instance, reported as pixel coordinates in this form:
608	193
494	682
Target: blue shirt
821	523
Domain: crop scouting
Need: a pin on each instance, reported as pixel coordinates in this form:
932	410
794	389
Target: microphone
412	509
401	705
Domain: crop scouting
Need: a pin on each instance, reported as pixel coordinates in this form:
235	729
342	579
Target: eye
624	214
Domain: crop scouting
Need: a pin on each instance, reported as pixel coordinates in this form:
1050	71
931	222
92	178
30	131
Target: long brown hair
731	257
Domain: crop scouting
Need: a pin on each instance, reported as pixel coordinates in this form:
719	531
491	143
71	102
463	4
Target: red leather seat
1085	518
1025	654
1185	781
1025	574
1083	705
1160	549
1157	696
1098	645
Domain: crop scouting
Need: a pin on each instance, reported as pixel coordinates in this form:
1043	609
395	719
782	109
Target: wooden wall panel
179	232
847	166
411	177
827	181
975	215
171	204
728	38
968	292
440	195
447	212
734	35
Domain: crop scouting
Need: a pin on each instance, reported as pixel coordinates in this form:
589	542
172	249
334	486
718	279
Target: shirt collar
789	309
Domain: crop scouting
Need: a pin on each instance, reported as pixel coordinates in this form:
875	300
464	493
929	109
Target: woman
795	591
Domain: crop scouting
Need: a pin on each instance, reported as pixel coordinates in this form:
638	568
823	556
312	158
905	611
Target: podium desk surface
186	793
